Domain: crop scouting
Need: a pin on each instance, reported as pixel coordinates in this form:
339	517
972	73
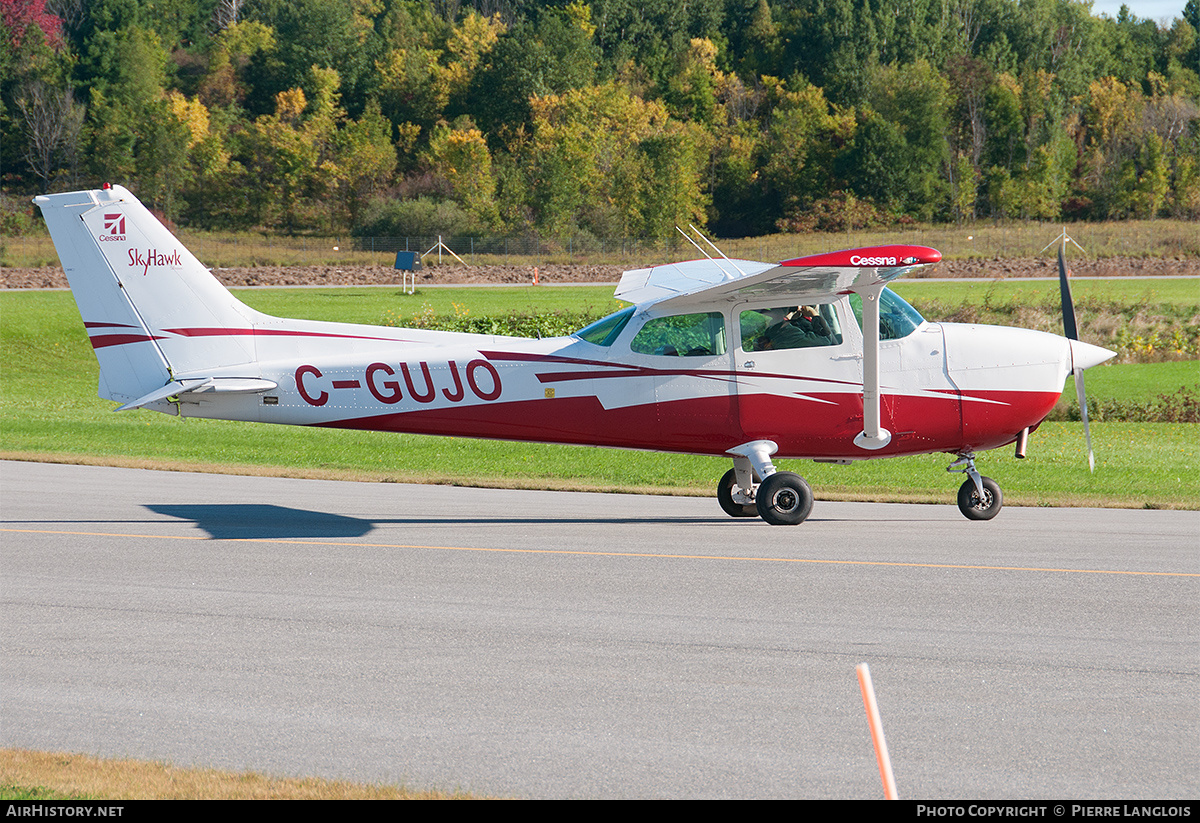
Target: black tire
975	509
784	499
725	498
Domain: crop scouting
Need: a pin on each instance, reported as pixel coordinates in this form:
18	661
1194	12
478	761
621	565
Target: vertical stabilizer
151	309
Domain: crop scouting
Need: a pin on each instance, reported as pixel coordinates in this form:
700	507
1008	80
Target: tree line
607	118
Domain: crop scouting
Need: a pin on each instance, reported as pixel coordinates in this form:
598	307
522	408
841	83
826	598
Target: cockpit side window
790	327
682	335
897	319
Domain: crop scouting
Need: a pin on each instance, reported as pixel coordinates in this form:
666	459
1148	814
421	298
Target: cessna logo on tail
114	225
153	257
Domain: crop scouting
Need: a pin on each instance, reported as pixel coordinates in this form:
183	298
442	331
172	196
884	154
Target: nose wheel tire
725	497
784	499
974	508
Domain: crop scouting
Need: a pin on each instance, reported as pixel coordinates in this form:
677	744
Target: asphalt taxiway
551	644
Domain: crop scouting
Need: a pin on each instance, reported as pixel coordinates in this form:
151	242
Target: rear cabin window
790	327
683	335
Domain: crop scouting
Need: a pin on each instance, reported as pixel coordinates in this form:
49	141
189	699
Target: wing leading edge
806	279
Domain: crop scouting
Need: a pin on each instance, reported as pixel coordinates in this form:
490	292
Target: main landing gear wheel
974	508
725	498
784	499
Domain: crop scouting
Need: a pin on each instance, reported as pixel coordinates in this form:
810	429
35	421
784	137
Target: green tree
799	148
916	98
553	56
425	77
604	160
652	34
366	161
1114	133
460	157
1154	178
878	165
329	33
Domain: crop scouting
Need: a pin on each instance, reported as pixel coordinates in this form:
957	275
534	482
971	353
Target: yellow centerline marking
606	554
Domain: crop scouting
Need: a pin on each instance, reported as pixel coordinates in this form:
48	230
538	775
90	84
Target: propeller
1071	329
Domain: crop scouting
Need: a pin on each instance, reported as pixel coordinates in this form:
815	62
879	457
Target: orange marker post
881	752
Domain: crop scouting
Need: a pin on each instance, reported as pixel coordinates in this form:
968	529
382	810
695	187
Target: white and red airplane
810	358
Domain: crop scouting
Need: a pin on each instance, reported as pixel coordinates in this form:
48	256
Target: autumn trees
603	118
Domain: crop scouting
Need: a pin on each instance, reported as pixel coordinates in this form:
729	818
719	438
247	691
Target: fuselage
947	387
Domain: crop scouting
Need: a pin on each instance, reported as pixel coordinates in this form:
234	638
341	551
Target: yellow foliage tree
461	157
604	158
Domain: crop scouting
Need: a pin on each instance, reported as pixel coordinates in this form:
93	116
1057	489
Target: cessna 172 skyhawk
809	358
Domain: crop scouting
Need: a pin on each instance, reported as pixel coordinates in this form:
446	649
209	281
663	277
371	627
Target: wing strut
873	435
715	262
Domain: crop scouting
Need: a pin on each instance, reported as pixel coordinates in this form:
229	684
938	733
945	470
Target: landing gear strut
728	490
754	488
979	497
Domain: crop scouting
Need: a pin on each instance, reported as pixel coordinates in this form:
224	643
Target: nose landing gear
979	497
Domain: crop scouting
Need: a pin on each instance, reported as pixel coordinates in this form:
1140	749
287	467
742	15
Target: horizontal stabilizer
199	385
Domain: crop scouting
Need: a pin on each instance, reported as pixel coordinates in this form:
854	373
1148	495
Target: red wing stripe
88	325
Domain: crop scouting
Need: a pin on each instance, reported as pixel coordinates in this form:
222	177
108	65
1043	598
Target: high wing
813	279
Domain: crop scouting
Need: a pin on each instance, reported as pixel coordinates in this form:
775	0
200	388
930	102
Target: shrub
840	211
542	324
1180	406
420	217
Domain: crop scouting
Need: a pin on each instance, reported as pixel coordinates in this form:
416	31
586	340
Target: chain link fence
1149	238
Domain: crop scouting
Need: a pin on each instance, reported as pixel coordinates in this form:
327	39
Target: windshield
604	331
897	319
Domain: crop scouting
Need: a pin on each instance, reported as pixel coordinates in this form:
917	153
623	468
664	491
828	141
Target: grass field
49	410
1132	291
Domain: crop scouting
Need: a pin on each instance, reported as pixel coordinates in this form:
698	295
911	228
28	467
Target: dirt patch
51	277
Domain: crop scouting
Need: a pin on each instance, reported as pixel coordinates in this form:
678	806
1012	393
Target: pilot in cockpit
793	327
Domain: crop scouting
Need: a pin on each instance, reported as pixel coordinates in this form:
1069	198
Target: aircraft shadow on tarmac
248	521
241	521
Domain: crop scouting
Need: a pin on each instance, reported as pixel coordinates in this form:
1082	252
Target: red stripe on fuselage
223	332
632	370
101	341
802	428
